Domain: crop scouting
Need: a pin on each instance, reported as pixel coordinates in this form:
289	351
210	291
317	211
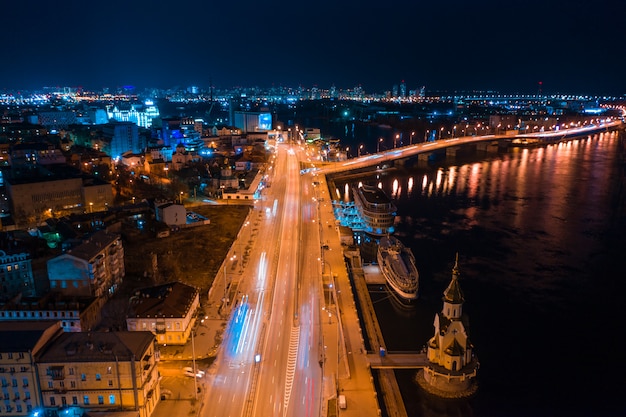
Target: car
188	371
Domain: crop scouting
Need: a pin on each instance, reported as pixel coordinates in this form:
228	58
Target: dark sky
572	46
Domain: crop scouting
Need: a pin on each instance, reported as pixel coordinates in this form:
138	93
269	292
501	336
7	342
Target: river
541	237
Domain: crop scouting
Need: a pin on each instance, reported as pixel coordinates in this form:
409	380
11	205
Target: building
120	137
141	115
171	213
99	371
42	153
20	343
252	121
55	120
75	314
39	192
166	310
181	157
452	366
16	275
94	268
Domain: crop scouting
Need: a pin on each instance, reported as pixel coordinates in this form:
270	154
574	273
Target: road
418	148
269	361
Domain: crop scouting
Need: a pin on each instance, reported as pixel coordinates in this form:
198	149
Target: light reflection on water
535	232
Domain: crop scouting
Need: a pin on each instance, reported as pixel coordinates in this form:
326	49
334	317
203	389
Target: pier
377	357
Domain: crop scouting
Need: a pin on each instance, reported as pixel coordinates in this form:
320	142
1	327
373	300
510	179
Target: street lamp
440	132
360	149
411	139
396	140
193	359
380	140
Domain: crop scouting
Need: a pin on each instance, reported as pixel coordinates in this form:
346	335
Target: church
452	366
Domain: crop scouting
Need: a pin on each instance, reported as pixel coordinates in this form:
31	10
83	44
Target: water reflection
533	228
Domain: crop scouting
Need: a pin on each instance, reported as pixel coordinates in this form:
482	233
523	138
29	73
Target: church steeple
453	294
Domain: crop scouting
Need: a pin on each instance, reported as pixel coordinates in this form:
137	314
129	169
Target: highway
269	361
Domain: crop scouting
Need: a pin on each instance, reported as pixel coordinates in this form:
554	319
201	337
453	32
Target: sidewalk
346	360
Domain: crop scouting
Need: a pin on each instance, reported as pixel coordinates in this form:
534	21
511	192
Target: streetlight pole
193	360
378	145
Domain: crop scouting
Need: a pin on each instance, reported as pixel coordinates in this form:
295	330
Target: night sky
572	46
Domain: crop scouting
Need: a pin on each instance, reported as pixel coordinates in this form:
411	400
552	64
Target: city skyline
452	46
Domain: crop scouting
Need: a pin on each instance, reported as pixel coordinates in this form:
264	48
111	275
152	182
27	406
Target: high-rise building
402	89
121	137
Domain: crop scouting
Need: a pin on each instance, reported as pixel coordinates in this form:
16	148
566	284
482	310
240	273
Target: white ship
397	264
375	210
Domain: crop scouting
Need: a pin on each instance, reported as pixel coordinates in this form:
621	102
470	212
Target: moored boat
397	265
375	209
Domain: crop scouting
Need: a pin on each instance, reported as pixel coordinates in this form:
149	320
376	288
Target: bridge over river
450	146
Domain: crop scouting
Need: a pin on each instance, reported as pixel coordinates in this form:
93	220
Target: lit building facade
55	190
19	345
451	365
100	371
253	121
121	137
141	115
93	269
166	310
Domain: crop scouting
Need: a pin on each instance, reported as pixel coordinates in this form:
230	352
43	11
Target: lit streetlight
380	140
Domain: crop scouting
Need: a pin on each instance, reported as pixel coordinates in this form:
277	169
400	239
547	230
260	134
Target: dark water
541	246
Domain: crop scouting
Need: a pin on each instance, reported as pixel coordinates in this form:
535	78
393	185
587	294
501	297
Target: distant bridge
426	148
